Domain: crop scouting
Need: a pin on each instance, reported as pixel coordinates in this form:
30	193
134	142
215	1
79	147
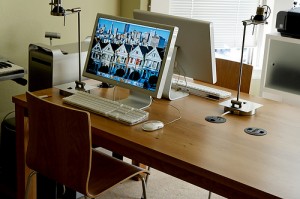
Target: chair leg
147	176
28	183
144	187
209	194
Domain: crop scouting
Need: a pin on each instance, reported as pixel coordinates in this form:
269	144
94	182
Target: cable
5	119
179	75
225	113
7	115
114	93
267	12
176	119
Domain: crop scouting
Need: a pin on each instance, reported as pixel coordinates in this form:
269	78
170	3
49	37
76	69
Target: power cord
177	68
176	119
5	117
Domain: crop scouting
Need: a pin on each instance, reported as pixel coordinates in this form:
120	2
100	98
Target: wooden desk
218	157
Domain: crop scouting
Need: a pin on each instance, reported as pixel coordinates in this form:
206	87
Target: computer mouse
152	125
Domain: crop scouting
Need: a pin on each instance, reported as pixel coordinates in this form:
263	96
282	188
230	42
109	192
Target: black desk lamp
238	106
58	10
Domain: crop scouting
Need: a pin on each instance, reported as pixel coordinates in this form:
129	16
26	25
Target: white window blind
226	15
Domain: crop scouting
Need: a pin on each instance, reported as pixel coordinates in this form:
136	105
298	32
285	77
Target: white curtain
226	15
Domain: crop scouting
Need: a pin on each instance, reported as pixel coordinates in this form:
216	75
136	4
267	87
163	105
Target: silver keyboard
200	90
107	108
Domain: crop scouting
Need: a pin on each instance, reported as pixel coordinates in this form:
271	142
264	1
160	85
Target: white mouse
152	125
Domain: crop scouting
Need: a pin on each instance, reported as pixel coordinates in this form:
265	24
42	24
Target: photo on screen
128	53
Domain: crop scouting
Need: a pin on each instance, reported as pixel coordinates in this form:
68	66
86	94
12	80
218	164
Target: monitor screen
195	57
130	53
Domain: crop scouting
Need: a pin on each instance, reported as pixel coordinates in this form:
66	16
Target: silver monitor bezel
189	54
164	66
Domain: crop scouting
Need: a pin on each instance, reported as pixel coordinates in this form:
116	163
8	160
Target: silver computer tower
49	66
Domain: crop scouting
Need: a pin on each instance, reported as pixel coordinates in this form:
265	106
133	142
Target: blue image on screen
128	53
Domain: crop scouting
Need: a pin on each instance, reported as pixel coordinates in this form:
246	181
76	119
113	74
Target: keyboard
10	71
200	90
107	108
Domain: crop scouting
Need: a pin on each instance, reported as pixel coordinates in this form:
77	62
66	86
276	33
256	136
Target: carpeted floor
160	186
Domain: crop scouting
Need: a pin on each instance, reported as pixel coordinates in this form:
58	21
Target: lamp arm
79	47
241	63
79	84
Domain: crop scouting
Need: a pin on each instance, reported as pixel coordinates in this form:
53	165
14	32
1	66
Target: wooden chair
60	148
228	75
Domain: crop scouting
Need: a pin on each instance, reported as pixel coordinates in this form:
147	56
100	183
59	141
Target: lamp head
262	13
56	8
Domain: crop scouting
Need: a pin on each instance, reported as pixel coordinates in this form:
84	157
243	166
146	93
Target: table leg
21	146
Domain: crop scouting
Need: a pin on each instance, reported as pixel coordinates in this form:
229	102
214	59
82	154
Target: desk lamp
239	106
58	10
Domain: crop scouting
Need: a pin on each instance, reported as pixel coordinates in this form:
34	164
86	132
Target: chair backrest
228	75
59	145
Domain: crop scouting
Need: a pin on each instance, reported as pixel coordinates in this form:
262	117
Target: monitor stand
105	85
137	100
169	92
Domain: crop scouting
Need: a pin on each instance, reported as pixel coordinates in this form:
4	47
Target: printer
288	22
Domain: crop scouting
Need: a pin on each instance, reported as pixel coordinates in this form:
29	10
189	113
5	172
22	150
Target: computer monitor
195	56
132	54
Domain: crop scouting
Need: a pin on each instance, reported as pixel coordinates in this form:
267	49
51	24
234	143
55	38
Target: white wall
160	6
127	7
24	22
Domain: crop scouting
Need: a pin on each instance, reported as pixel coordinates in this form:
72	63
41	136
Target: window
227	16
